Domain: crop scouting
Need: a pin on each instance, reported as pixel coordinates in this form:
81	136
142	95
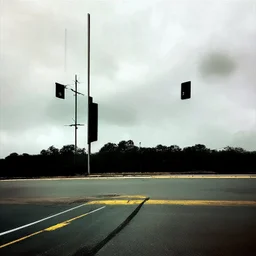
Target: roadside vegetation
125	157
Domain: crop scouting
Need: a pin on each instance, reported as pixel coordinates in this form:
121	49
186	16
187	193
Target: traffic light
186	90
93	121
60	91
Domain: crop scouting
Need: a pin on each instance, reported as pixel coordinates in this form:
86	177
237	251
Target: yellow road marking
133	202
57	226
130	196
201	202
64	223
176	202
52	228
20	239
116	202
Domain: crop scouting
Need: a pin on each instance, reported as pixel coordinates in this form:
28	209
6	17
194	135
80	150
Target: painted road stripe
116	202
204	177
182	176
201	202
176	202
130	196
52	228
38	221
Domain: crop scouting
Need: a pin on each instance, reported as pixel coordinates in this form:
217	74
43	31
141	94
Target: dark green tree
109	147
67	150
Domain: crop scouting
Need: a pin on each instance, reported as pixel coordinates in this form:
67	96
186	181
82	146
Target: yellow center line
116	202
201	202
57	226
130	196
51	228
176	202
20	239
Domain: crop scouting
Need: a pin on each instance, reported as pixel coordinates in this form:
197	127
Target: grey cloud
140	53
245	139
117	114
218	64
219	138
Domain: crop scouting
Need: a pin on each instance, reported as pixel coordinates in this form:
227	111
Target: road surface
128	217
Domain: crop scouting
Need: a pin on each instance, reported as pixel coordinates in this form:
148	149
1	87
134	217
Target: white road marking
47	218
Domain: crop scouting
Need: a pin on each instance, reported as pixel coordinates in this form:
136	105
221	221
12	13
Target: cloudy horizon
141	51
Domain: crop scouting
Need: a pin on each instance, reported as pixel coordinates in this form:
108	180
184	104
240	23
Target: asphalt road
211	189
81	217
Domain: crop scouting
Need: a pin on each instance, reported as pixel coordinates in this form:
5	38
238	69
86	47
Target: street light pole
88	98
75	119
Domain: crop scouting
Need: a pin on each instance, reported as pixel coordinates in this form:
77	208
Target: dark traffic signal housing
60	91
186	90
93	121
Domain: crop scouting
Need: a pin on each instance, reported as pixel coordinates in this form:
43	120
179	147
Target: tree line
126	157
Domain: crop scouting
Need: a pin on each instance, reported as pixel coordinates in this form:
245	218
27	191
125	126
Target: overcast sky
141	51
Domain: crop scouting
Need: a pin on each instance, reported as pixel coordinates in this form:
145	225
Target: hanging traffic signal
93	121
186	90
60	91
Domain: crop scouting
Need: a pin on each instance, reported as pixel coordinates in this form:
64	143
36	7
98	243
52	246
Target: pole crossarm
74	124
76	91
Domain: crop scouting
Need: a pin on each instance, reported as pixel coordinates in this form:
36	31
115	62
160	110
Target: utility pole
60	93
75	119
88	96
140	161
75	124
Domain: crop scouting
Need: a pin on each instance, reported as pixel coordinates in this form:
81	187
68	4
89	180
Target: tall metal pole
88	98
65	51
75	119
140	157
